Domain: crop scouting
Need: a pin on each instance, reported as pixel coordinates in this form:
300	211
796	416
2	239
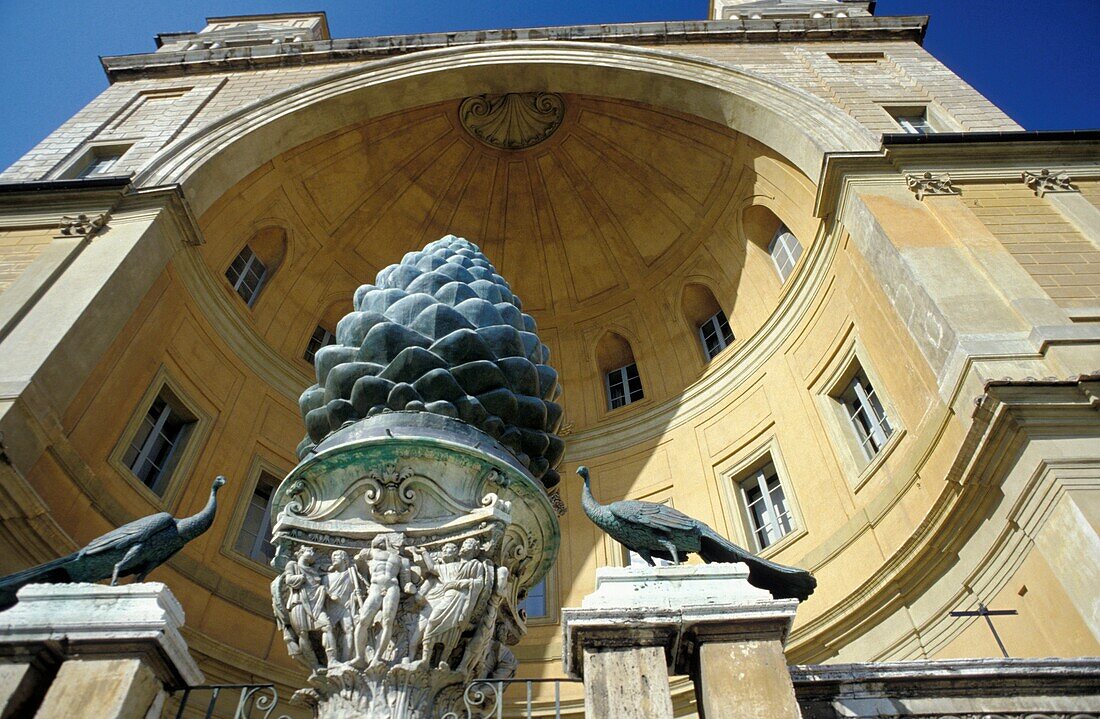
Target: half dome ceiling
618	197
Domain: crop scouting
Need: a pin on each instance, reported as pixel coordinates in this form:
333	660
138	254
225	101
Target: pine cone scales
441	332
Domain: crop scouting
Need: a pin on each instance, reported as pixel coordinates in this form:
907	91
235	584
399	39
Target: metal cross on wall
985	612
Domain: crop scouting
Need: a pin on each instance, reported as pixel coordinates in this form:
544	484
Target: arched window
256	263
785	250
765	230
706	317
622	382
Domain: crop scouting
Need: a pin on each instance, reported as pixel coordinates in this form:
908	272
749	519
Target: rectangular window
155	448
785	250
254	539
100	164
766	505
716	334
247	275
914	124
623	386
320	338
866	414
535	601
912	120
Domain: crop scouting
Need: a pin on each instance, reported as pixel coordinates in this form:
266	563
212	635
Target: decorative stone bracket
1044	181
83	225
929	184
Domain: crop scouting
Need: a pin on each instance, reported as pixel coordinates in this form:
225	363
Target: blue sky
1037	61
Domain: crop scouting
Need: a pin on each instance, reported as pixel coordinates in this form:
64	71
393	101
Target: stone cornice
968	157
161	64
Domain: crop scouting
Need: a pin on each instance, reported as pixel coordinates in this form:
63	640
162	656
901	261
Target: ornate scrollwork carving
512	120
302	498
388	496
929	184
1044	181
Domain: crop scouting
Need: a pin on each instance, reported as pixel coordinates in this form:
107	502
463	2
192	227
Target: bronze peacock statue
655	530
135	549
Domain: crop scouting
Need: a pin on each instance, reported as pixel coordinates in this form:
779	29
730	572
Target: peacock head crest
219	482
583	472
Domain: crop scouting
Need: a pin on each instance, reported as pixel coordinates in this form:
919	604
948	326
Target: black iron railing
254	701
489	698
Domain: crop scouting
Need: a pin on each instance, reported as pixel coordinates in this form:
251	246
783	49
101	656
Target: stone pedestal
405	542
88	650
707	621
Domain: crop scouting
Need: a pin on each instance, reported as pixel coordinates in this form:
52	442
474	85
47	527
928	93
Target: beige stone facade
969	301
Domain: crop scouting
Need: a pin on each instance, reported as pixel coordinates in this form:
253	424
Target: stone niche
405	541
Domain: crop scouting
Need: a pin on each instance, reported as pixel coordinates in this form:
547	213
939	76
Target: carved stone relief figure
462	579
388	571
304	608
345	588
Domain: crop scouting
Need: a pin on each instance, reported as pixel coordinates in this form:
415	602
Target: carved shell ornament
513	120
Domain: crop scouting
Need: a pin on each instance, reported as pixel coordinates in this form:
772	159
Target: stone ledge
163	63
81	620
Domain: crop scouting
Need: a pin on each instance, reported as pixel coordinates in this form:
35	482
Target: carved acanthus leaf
1044	181
929	184
513	120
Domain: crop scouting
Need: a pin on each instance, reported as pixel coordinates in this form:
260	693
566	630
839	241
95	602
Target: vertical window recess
247	275
254	539
320	338
767	507
155	448
623	386
785	250
866	414
715	334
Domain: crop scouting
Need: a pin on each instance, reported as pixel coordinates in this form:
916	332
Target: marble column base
89	650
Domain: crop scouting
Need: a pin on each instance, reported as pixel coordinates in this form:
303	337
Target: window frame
186	457
628	399
550	600
255	552
265	463
309	356
734	469
153	443
77	168
236	284
760	480
935	119
836	373
794	257
856	399
716	325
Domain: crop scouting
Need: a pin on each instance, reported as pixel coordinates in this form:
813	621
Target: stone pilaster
405	541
